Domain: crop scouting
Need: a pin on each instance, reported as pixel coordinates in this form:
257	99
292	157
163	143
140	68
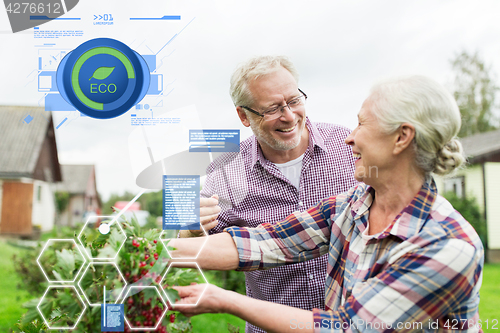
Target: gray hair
251	70
433	111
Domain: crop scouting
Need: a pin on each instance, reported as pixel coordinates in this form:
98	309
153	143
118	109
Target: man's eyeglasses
276	112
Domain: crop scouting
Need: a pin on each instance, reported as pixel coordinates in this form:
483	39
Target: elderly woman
400	257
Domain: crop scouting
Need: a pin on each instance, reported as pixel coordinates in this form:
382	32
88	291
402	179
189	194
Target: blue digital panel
214	141
112	318
150	60
47	81
55	102
181	202
156	84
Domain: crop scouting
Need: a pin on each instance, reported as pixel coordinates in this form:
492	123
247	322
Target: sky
340	48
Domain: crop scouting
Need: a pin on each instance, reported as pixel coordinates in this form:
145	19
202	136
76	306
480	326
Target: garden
70	288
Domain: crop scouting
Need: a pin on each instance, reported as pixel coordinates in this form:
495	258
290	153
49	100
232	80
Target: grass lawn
216	322
489	307
11	298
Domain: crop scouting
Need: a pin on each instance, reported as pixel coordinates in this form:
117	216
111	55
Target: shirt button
301	203
311	276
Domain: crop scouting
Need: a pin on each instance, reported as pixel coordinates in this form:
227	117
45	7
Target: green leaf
102	72
116	238
149	293
65	264
172	294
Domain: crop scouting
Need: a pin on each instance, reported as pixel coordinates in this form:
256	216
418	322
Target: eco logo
103	78
24	15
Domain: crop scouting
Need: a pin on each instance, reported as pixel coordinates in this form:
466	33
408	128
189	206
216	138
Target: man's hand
209	211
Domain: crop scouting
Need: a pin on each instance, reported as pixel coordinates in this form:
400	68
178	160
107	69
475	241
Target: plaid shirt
424	269
252	191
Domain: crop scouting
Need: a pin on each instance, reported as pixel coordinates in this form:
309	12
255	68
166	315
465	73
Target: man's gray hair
433	111
251	70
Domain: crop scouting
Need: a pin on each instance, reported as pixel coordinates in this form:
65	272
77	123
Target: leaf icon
102	72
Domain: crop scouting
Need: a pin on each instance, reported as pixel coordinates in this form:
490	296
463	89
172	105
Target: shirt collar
410	220
315	139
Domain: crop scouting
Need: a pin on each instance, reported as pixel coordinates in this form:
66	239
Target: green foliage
62	201
142	260
469	209
475	92
32	279
31	327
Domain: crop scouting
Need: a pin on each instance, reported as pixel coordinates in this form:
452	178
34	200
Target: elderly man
288	165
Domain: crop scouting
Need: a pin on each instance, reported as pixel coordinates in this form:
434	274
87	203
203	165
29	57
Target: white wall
44	210
492	171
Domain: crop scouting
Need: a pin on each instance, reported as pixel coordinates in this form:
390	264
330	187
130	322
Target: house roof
481	147
21	141
75	177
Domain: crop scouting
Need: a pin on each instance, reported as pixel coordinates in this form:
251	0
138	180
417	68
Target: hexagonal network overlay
149	315
63	263
106	274
65	298
91	232
172	234
183	265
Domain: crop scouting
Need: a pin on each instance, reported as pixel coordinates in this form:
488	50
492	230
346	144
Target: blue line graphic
62	122
42	17
166	17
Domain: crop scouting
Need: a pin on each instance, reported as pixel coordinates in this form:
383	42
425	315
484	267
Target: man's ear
243	116
404	137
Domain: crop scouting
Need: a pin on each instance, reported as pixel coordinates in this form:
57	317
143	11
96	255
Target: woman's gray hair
433	111
251	70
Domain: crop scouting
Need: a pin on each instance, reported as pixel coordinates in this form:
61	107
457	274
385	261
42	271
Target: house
481	179
29	167
80	183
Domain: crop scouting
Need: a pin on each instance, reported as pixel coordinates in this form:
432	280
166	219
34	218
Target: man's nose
287	114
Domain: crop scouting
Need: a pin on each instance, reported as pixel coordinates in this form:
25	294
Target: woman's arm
218	253
271	317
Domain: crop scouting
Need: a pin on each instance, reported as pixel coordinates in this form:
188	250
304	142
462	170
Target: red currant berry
172	318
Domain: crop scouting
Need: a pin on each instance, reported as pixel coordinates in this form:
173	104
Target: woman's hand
201	298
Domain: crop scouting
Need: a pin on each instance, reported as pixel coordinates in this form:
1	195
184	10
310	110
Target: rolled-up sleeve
300	237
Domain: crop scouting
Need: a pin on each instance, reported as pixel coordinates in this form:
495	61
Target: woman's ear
405	135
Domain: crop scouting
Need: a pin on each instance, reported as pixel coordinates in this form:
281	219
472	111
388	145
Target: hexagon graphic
171	234
187	265
93	228
67	263
133	304
69	324
106	273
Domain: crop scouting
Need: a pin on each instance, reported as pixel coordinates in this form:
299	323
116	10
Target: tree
475	91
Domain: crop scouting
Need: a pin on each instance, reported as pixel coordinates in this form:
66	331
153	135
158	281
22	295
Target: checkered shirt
252	191
424	269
